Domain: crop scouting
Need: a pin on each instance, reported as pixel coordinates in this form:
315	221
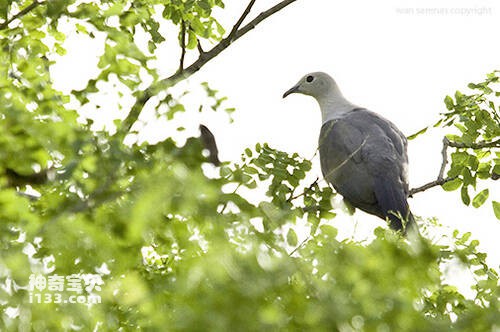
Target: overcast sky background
397	58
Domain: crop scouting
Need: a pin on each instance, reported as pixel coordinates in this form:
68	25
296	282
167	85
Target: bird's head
317	85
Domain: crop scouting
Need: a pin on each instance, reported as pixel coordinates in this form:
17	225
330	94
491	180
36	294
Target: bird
208	140
362	154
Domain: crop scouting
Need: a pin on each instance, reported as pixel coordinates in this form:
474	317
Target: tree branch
444	153
240	20
183	47
142	97
15	179
21	13
438	182
200	49
478	145
261	17
300	245
293	197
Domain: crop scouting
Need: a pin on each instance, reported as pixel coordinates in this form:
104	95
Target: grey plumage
363	155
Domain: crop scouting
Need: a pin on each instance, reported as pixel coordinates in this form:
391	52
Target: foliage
178	249
477	144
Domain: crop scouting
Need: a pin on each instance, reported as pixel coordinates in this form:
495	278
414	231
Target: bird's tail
404	224
394	205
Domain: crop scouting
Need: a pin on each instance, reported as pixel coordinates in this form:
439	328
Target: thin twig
200	49
227	202
23	12
292	197
144	96
183	46
438	182
478	145
261	17
444	154
241	19
300	245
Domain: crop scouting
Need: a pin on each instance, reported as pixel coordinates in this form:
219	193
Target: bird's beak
295	89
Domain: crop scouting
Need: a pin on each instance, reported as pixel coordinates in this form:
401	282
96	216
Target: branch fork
238	30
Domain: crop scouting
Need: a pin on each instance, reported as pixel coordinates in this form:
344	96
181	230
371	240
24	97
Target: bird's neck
334	106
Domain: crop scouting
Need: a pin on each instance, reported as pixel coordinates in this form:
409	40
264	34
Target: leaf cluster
179	248
476	154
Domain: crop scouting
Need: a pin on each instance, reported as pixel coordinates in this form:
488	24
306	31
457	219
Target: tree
177	249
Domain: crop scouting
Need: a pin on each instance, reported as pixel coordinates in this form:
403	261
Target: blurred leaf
480	198
176	245
449	103
291	238
496	209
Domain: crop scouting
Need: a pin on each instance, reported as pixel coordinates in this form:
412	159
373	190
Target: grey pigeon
363	155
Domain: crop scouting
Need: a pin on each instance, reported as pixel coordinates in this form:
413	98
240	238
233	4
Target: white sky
397	58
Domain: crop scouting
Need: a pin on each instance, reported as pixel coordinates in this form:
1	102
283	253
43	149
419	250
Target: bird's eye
309	79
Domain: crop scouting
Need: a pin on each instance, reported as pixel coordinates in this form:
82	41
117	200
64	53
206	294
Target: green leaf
480	272
452	185
192	41
291	238
459	157
480	198
115	9
449	102
251	184
81	29
329	231
465	195
59	49
496	209
484	167
496	169
56	7
467	177
271	211
473	162
220	29
251	170
420	132
183	237
225	171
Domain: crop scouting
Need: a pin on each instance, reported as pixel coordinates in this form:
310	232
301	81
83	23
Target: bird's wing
340	147
395	149
364	157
